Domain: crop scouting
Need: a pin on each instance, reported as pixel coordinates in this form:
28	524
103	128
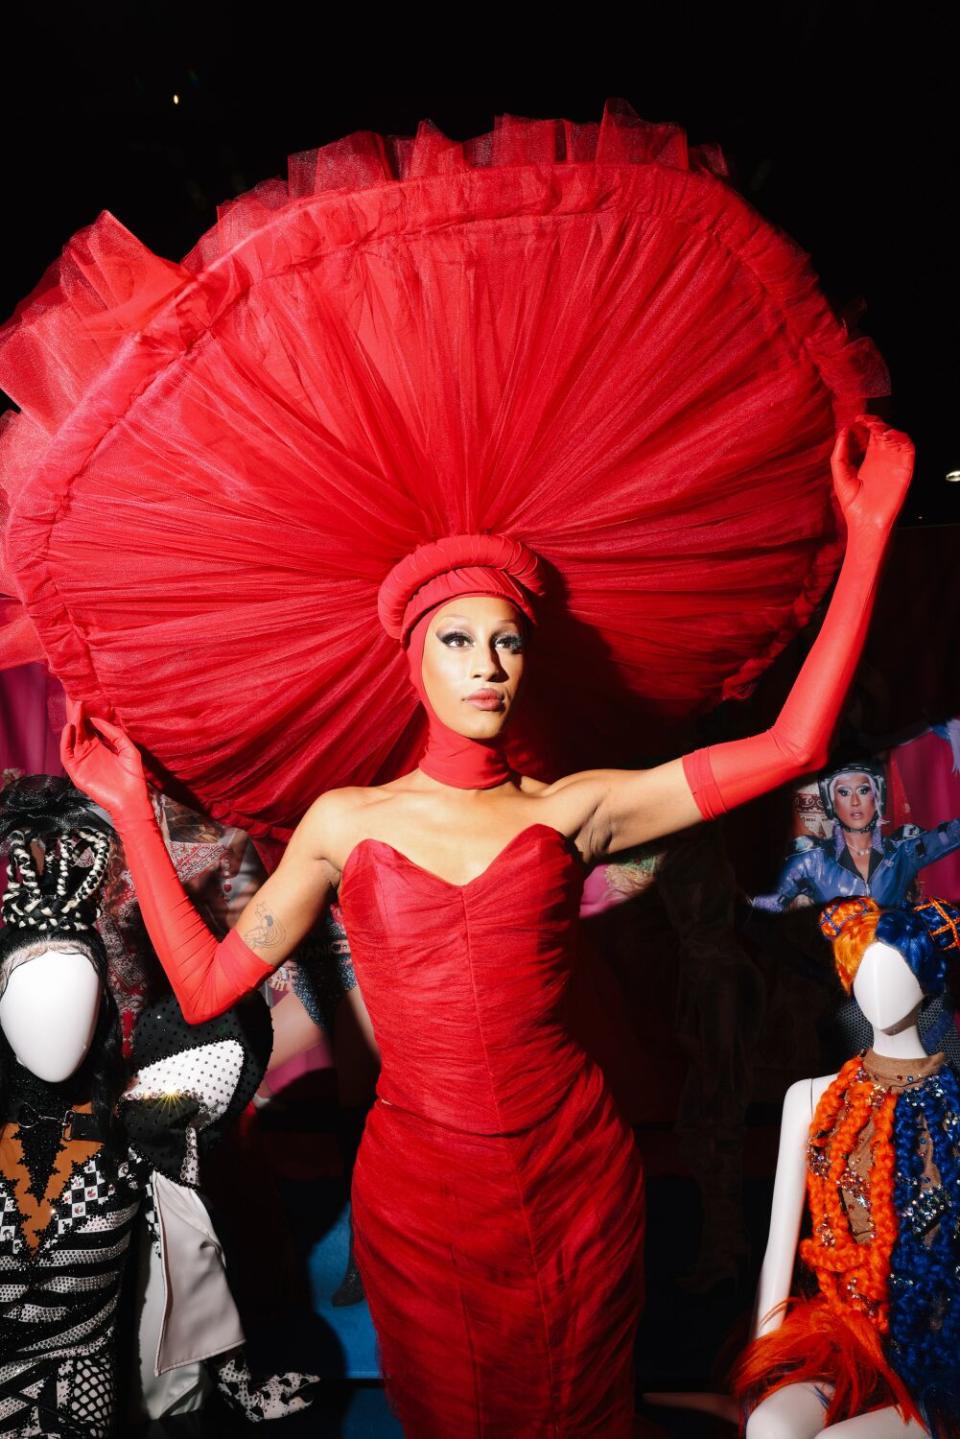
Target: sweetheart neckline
448	883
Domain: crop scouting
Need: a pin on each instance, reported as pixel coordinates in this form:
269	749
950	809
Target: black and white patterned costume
58	1303
84	1159
63	1257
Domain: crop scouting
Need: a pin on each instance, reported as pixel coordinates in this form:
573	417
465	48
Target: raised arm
931	845
207	976
634	807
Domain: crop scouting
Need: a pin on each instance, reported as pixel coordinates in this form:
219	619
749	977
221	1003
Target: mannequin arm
786	1213
207	976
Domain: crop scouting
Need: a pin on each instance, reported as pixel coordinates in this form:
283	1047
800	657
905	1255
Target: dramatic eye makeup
509	640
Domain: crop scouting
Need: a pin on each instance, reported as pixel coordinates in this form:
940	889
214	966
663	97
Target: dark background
838	120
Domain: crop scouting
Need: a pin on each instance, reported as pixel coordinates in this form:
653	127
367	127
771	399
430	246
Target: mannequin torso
890	997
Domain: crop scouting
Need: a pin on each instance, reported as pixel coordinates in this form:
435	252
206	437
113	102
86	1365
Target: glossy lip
485	699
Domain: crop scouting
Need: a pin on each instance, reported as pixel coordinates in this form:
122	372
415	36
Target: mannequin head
924	937
886	988
57	1017
50	1002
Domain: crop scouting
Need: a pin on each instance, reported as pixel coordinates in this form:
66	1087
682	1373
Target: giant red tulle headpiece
577	336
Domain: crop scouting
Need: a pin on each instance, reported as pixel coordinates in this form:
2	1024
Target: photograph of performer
857	858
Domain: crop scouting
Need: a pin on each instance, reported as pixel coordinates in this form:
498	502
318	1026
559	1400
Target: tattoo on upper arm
267	932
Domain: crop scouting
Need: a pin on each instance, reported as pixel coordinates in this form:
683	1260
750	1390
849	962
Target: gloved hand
871	493
207	976
105	763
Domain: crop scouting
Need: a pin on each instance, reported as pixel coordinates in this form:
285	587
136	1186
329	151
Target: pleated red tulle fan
578	335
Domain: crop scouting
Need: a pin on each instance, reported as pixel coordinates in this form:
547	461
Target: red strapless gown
498	1195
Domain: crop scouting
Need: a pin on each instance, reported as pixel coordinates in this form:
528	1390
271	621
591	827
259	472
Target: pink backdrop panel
31	714
925	768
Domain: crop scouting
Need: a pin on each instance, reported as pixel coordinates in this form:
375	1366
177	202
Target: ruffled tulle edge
109	288
121	298
365	160
20	643
815	1344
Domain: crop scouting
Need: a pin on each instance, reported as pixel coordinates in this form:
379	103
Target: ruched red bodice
467	992
498	1199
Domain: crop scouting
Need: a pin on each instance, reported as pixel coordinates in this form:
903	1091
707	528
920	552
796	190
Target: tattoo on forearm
267	933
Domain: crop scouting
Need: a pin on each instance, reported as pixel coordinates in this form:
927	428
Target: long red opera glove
729	774
206	975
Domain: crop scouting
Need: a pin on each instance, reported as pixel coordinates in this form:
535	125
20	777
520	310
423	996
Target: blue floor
351	1324
368	1417
365	1414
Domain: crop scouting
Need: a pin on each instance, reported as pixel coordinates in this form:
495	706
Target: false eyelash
514	642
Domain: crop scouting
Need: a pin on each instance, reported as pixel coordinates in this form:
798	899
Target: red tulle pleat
19	641
579	336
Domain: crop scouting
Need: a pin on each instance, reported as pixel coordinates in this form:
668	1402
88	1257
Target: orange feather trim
815	1344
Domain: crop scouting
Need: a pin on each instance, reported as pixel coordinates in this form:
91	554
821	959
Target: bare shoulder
331	820
584	779
336	803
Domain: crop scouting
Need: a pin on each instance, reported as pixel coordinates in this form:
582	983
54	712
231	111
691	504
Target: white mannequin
889	996
48	1013
49	1010
52	997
